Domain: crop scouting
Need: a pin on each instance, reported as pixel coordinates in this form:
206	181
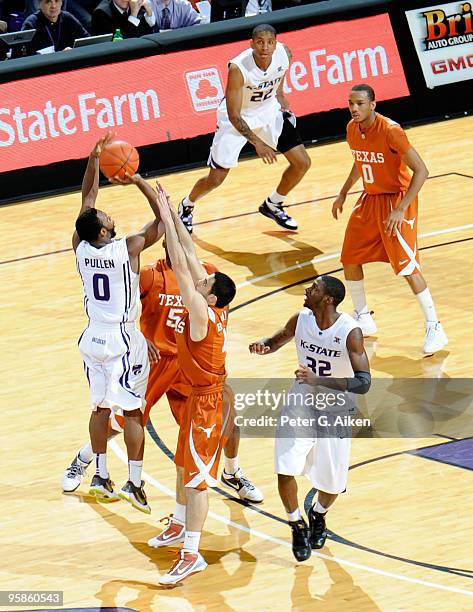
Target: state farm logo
205	88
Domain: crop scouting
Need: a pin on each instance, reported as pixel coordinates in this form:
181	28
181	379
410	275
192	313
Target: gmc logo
450	65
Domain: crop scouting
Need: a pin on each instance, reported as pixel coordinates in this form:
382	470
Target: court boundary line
264	536
326	258
253	212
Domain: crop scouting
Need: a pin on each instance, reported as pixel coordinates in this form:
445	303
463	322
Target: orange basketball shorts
202	436
366	239
164	378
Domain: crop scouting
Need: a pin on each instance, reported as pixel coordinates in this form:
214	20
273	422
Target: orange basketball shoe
187	563
172	534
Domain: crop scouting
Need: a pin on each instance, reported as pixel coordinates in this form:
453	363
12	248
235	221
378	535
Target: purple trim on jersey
213	164
86	301
86	370
126	363
130	285
128	290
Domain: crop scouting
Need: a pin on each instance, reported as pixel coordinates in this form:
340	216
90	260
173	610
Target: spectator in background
133	18
81	9
56	29
174	14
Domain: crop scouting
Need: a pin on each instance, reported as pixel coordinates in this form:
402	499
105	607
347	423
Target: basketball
117	158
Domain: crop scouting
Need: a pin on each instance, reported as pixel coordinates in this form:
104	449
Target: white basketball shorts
116	365
324	460
228	142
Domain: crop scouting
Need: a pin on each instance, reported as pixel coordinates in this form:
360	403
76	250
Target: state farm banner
167	97
443	38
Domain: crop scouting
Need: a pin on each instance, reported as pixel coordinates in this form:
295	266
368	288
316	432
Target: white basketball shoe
187	563
366	322
435	337
74	475
243	486
172	534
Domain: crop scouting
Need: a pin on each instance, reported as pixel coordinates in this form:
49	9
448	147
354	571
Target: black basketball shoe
102	489
300	540
278	215
318	531
185	215
136	496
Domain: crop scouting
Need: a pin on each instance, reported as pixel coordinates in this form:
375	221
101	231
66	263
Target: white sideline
330	256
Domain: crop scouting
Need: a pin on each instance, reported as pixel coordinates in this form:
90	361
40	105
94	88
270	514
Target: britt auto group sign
167	97
443	37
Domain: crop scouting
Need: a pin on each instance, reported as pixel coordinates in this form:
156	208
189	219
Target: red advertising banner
167	97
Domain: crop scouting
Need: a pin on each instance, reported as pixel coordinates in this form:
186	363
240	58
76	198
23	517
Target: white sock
319	508
191	541
187	202
86	454
358	296
292	517
134	472
275	198
231	465
101	464
427	304
180	513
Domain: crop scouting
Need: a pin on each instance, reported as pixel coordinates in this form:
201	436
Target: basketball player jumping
255	110
383	224
114	351
162	313
201	347
318	329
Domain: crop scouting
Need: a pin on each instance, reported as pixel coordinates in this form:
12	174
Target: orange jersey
203	363
377	154
162	307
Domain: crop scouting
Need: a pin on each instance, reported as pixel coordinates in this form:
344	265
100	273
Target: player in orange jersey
201	351
162	311
383	224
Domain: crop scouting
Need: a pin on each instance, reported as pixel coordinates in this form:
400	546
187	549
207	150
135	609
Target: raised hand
163	201
129	179
99	145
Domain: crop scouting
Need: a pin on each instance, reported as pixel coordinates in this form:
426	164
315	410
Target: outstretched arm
277	340
193	300
152	231
90	182
197	270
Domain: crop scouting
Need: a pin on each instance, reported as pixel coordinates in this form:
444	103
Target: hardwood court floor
402	532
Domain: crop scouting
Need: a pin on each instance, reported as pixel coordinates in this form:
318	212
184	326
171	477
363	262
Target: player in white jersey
114	351
255	110
331	356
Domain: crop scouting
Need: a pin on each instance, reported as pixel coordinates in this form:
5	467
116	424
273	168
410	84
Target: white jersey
111	288
324	351
259	86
